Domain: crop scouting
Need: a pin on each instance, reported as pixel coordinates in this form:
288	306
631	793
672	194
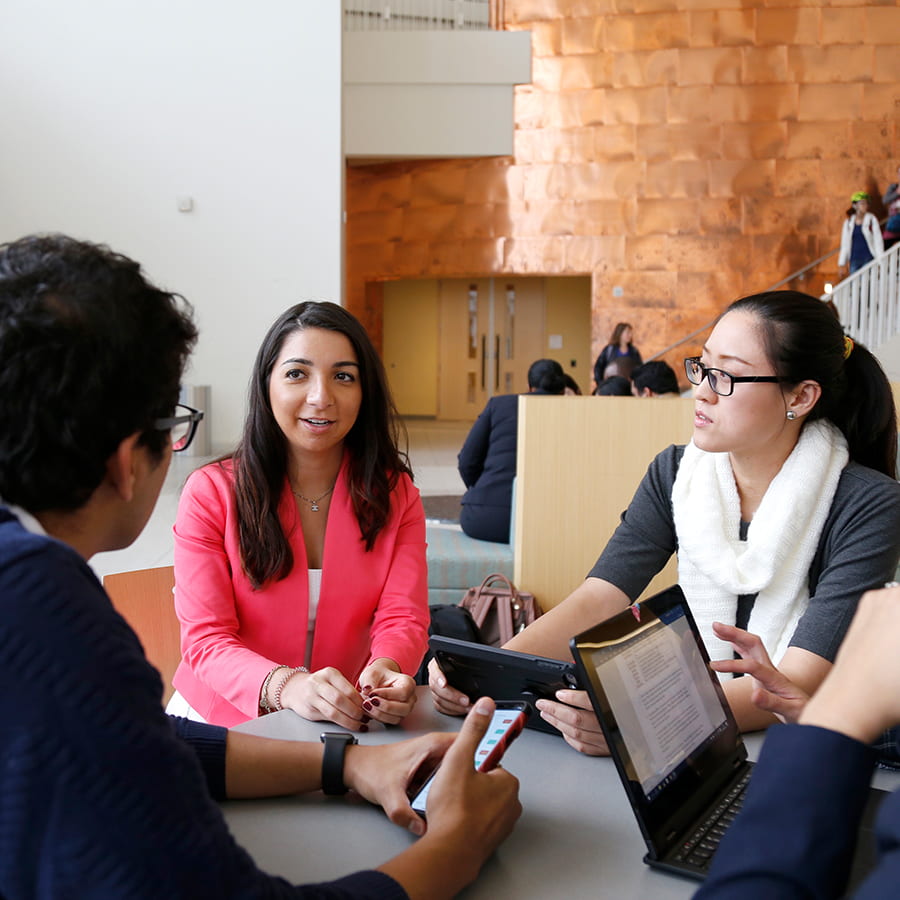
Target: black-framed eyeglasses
720	381
183	426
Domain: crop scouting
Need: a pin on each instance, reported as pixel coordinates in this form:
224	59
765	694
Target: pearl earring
791	415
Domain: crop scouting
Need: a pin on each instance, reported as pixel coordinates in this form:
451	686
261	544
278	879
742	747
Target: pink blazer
371	605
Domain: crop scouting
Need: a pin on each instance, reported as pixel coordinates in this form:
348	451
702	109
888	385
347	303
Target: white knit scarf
715	566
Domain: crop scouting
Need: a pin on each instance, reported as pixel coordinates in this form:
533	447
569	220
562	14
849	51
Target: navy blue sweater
101	793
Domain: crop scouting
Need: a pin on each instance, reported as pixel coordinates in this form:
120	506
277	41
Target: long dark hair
804	341
260	460
616	335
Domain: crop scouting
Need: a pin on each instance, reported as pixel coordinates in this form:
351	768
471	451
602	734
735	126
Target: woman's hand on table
446	699
773	691
325	695
574	716
387	694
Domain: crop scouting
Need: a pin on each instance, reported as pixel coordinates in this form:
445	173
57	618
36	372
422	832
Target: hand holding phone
507	722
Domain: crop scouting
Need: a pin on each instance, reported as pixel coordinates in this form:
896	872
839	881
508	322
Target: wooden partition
580	460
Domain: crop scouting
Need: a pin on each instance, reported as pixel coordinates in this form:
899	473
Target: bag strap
498	576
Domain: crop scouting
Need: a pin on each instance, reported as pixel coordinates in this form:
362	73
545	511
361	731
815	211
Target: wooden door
519	323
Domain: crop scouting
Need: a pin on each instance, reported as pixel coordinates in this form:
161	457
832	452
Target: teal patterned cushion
457	562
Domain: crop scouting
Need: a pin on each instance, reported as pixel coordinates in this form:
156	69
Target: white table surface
577	836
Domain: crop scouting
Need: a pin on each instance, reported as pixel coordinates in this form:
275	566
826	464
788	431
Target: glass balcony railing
420	15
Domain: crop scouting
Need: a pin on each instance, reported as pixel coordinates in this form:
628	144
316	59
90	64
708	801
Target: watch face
337	736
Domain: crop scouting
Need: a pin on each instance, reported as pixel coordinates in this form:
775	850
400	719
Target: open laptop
672	734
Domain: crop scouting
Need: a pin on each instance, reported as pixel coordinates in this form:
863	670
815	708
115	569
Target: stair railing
867	302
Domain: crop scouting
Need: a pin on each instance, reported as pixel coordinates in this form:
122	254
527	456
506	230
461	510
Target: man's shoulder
18	543
39	568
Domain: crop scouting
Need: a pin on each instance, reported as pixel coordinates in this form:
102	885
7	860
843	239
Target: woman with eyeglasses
300	574
783	509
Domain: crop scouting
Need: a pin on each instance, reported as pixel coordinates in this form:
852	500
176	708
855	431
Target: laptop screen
666	707
665	717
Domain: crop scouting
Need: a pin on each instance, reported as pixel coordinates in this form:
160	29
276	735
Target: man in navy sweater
103	795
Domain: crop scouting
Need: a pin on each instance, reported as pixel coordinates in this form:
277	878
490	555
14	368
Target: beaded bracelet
264	693
291	673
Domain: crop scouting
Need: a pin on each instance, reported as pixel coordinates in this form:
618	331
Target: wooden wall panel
580	460
680	153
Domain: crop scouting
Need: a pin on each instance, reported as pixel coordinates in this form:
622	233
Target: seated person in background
300	574
654	379
614	386
783	509
487	461
104	794
572	389
796	832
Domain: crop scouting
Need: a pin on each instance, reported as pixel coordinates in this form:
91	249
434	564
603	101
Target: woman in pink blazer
300	575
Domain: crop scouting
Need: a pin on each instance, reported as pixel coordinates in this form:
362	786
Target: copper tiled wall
682	152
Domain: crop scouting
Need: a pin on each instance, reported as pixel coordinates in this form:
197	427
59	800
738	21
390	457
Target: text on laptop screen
661	695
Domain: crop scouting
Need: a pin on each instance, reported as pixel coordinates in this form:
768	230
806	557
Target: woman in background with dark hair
783	509
619	356
300	574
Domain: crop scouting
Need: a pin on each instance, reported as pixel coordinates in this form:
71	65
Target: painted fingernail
363	727
367	705
375	702
366	688
366	719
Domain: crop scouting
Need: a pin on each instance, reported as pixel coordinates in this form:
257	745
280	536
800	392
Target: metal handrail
867	301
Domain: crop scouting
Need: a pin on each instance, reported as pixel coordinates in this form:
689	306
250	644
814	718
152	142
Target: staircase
868	302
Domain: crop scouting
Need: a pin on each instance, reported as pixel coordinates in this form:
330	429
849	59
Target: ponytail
866	414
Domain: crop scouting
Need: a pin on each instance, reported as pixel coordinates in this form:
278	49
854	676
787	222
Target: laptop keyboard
698	849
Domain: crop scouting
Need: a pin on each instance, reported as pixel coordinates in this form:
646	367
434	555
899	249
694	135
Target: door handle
483	353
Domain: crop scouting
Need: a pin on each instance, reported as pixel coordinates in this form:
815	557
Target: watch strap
336	744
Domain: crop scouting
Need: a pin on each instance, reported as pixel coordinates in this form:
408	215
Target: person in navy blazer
487	461
795	835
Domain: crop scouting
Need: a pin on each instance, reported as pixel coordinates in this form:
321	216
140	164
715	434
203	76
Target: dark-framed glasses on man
182	425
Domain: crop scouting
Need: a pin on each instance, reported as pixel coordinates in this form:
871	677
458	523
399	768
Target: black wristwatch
336	744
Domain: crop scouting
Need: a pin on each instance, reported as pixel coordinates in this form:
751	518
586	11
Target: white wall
432	93
111	109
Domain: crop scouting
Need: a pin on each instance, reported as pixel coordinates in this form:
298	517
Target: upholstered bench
457	562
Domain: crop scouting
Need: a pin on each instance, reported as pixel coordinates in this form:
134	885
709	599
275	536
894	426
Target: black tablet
480	670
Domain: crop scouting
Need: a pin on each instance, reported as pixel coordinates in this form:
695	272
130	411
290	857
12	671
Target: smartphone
507	722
